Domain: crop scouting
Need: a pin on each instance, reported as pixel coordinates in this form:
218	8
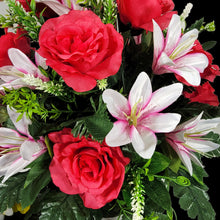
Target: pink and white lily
188	138
139	117
18	148
172	54
61	6
13	76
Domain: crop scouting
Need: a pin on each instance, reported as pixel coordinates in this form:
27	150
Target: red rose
140	13
81	49
203	94
11	40
83	166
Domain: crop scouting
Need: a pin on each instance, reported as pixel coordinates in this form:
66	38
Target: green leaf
37	178
10	191
158	193
209	45
63	206
38	167
195	201
159	162
198	24
98	126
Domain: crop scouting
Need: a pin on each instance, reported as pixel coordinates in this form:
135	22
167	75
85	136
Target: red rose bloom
140	13
83	166
203	94
81	49
11	40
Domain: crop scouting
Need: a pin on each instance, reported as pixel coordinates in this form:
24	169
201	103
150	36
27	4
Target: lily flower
172	55
188	138
18	148
14	76
61	6
139	117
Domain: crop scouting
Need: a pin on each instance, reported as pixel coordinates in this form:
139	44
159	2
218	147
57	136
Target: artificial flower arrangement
107	108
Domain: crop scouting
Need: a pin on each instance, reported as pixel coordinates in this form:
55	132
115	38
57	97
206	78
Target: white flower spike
139	117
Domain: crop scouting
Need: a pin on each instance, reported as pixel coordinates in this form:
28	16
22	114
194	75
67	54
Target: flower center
135	113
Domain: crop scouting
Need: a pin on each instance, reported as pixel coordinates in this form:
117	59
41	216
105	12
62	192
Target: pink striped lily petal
24	64
144	142
141	91
22	124
117	104
119	134
161	122
164	97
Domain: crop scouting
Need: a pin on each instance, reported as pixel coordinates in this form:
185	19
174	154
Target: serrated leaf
158	193
37	178
98	126
159	162
38	167
195	201
10	191
63	206
198	24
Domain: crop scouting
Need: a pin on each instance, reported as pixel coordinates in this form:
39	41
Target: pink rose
140	13
86	167
81	49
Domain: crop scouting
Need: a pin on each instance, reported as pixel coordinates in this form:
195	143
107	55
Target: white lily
18	149
187	138
139	117
14	76
171	55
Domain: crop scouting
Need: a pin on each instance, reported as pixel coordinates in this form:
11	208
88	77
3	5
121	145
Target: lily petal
162	122
190	124
144	142
183	154
9	137
117	104
29	149
5	161
141	91
119	134
201	145
10	73
173	34
22	124
164	97
24	64
185	44
17	166
204	126
197	60
56	6
158	41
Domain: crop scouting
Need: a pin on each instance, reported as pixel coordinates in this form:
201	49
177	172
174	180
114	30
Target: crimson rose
83	166
12	40
81	49
140	13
